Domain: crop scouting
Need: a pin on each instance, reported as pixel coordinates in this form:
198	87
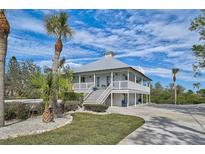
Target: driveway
166	124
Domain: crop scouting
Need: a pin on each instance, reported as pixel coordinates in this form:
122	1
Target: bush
95	107
9	112
20	110
72	96
71	105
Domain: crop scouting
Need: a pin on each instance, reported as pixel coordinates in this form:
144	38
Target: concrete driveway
166	124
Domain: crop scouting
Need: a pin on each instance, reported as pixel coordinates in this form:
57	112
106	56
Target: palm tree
174	72
196	85
56	25
4	32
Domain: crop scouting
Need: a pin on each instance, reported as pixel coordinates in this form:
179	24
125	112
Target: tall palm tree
174	72
196	85
56	25
4	32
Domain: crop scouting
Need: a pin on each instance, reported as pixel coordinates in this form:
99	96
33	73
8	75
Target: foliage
95	107
161	95
18	78
85	129
16	111
72	96
71	105
198	25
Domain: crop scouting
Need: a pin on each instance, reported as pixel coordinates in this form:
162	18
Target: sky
154	40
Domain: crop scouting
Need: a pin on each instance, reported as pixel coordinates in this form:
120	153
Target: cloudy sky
155	40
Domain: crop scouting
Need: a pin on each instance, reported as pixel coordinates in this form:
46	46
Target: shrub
16	111
71	105
72	96
9	112
22	111
95	107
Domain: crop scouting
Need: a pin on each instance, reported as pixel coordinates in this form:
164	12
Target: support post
94	80
111	99
142	99
135	78
111	80
135	99
128	75
79	81
128	99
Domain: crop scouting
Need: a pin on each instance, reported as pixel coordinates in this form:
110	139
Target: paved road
166	124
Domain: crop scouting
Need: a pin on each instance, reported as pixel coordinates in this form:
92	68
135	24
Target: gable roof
106	63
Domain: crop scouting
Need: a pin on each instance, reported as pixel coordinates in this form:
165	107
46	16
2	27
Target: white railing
104	95
82	86
118	85
90	90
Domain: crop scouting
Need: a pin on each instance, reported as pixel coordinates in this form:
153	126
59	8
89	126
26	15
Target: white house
112	82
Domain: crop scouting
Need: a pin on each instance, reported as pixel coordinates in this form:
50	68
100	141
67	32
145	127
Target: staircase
98	96
92	98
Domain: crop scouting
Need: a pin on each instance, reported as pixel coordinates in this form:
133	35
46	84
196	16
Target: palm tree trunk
175	93
54	88
3	49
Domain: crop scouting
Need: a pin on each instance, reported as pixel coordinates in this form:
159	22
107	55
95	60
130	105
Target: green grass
85	129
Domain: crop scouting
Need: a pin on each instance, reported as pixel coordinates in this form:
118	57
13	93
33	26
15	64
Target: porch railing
83	86
118	85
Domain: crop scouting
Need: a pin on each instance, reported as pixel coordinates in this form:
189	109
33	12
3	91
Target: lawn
85	128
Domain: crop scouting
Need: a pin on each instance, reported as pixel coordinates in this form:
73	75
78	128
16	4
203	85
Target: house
112	82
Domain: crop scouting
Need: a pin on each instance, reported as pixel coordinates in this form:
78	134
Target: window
82	79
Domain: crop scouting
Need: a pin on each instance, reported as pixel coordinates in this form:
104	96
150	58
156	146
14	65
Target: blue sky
154	40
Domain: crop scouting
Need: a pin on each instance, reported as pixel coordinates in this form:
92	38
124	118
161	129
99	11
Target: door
98	81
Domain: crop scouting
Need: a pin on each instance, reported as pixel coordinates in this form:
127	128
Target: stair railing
104	94
90	90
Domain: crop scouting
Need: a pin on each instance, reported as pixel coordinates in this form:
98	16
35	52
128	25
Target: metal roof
106	63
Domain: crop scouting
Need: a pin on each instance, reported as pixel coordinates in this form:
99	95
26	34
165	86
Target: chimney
109	54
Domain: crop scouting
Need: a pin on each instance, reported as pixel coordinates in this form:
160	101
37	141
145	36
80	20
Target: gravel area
166	124
32	126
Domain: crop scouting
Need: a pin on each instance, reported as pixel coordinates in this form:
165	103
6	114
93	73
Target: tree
12	78
174	72
198	25
57	25
4	32
196	85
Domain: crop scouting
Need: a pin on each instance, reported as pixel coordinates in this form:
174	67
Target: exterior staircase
98	96
92	98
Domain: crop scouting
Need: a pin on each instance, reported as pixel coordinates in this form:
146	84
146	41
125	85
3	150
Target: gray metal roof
106	63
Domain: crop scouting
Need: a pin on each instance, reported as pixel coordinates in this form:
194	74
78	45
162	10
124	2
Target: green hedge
72	96
71	105
20	110
95	107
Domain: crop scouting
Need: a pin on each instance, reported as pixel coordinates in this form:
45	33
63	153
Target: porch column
135	78
128	99
147	99
142	81
111	104
79	81
111	80
94	80
141	98
135	99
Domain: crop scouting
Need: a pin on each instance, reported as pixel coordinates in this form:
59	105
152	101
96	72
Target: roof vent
109	54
